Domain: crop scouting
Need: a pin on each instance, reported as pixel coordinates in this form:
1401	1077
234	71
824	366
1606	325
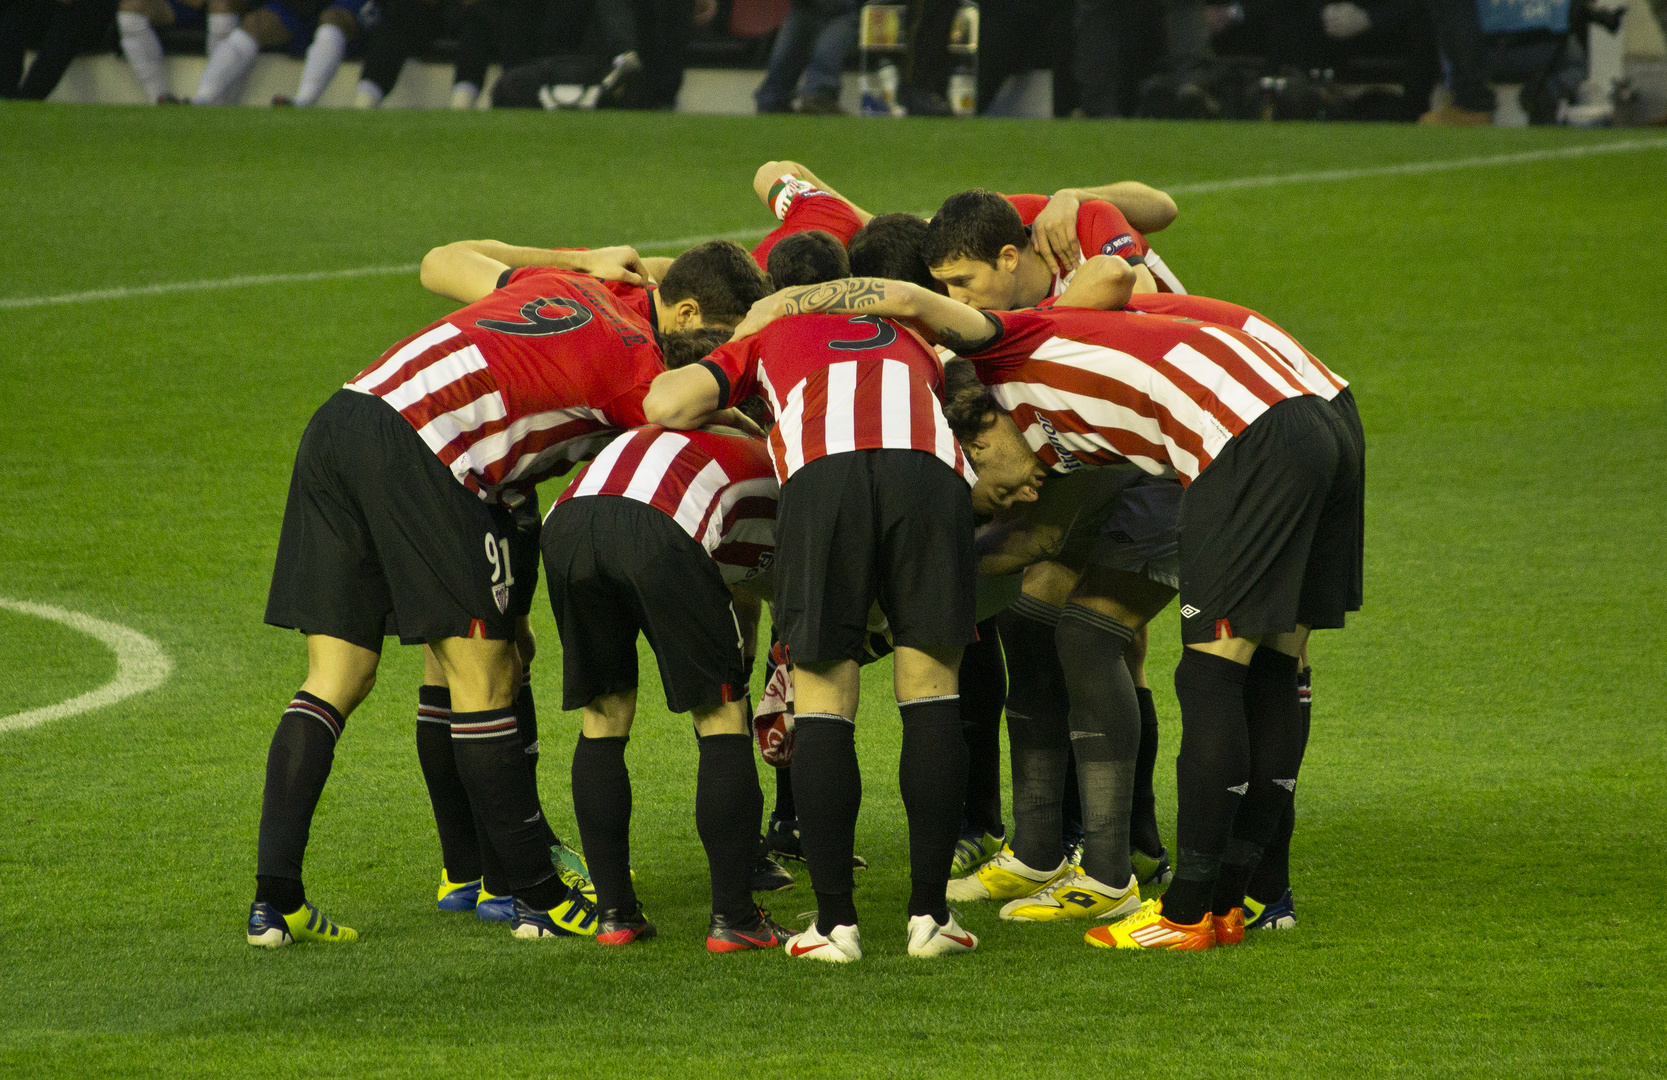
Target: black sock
827	786
602	805
1143	812
526	718
490	762
1238	862
932	774
1212	773
1272	878
785	810
983	683
1037	732
454	819
728	802
1105	735
297	765
1273	719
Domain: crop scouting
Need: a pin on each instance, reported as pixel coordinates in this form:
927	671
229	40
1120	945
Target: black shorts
521	524
1345	406
380	538
866	525
617	567
1270	530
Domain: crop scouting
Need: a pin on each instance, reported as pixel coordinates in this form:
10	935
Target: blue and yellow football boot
1279	915
457	896
270	928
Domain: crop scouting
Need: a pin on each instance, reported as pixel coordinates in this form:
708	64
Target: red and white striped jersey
1091	388
1316	375
838	383
721	489
802	207
526	382
1102	230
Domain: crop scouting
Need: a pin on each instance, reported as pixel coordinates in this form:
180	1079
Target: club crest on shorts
500	597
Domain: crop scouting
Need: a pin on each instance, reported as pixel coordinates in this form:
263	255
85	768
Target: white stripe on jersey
416	346
1292	353
645	480
1275	375
839	432
790	426
697	499
448	426
435	377
600	468
1163	273
1208	374
896	404
496	447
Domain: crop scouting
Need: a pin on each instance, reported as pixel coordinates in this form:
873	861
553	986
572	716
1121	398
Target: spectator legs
1458	31
809	39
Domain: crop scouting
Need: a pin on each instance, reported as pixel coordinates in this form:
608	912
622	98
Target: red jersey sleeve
802	208
1028	206
738	363
1022	333
1103	230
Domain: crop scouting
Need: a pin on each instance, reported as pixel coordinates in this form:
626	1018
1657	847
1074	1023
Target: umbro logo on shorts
1188	611
1240	789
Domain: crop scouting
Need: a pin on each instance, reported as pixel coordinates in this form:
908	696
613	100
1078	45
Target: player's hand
1105	282
738	420
616	264
1054	232
761	314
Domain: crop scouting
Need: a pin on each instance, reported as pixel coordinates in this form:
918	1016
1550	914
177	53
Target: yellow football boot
1004	878
1148	929
1075	896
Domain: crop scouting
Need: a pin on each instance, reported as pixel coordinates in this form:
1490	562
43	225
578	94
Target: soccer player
321	30
978	244
1269	531
395	521
874	506
802	202
651	538
137	21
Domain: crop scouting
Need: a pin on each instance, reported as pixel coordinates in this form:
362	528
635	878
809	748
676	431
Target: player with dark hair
692	522
807	258
980	245
1270	534
874	506
397	521
889	246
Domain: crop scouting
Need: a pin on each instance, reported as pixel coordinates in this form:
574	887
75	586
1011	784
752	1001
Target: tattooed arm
950	323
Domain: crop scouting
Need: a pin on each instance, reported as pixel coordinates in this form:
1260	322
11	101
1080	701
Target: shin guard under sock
487	746
297	765
602	805
1212	773
526	718
728	802
827	789
1273	719
1037	732
785	810
1105	735
983	684
454	819
932	774
1272	876
1143	814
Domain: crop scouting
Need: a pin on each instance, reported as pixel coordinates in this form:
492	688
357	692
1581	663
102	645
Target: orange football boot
1229	928
1148	929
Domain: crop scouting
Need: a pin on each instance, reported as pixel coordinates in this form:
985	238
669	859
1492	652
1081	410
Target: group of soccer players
1011	432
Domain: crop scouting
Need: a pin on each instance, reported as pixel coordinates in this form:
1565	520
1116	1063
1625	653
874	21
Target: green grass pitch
1479	865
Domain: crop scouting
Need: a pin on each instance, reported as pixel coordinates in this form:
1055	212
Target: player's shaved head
890	246
973	225
720	276
807	258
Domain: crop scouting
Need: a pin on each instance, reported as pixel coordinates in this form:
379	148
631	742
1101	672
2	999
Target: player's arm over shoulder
947	322
770	173
1147	209
466	270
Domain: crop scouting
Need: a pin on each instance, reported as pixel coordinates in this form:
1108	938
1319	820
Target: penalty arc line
1406	168
141	665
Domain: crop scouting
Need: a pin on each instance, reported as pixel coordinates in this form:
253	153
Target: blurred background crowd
1439	61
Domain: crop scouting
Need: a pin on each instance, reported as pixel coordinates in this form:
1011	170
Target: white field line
1409	168
140	665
